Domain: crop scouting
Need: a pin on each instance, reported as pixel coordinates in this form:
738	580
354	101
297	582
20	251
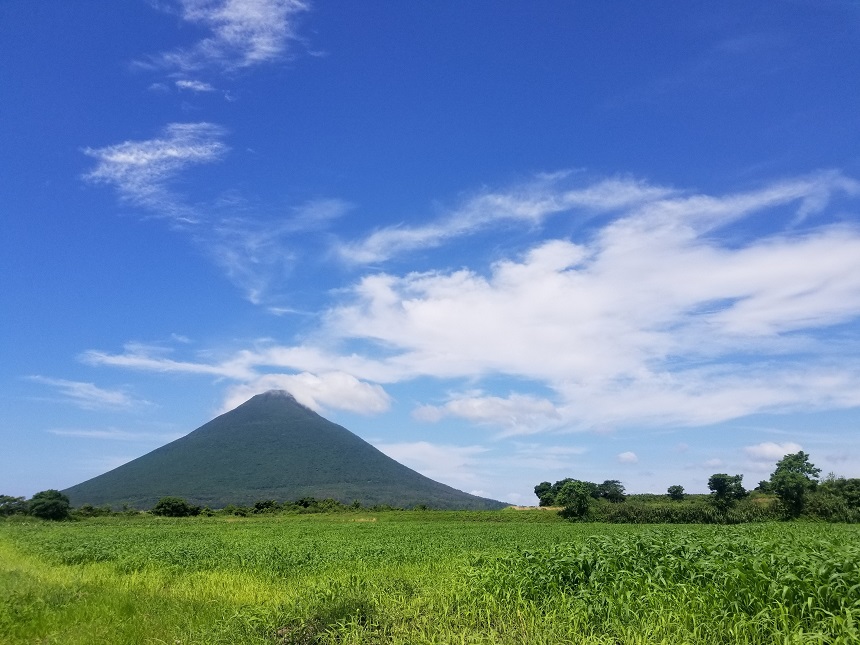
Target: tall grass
424	577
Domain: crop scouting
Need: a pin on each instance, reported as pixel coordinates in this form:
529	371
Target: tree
675	493
846	489
575	497
611	489
174	507
12	506
726	490
266	506
793	478
50	504
763	486
543	491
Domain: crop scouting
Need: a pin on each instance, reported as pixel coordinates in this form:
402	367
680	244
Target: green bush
174	507
50	505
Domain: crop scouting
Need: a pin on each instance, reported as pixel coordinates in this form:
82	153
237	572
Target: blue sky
505	243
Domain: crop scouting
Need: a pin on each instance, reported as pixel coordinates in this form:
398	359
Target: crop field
425	577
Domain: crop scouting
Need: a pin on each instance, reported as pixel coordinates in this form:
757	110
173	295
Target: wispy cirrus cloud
549	195
193	86
255	252
141	171
258	255
529	203
87	395
240	34
114	434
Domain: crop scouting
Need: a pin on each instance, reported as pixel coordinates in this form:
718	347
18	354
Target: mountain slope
270	447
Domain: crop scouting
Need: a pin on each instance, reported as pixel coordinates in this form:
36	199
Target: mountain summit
270	447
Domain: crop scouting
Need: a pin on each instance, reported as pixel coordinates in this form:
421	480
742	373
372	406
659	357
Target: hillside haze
270	447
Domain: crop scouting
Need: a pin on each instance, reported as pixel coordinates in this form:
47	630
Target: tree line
54	505
792	491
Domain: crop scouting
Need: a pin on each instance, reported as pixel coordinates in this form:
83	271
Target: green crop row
758	585
506	577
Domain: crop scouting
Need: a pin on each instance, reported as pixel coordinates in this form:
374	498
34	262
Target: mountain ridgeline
270	447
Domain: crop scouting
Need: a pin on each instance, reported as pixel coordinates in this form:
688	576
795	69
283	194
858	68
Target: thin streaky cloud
141	171
141	361
194	86
113	434
529	203
546	196
87	395
257	255
241	34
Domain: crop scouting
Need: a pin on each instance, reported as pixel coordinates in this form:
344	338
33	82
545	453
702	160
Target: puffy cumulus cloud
142	170
652	319
336	390
516	414
627	458
771	451
656	315
241	34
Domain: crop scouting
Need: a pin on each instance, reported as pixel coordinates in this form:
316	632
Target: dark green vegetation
524	577
269	448
793	491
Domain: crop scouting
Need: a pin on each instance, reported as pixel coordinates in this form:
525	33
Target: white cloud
87	395
651	318
712	463
454	465
242	34
772	451
194	86
137	358
256	254
336	390
113	434
529	203
517	413
142	170
627	458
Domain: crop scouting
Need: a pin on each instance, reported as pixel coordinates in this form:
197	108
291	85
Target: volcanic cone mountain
270	447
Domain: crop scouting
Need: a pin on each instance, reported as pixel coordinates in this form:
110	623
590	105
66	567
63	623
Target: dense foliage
726	490
793	478
791	492
49	505
175	507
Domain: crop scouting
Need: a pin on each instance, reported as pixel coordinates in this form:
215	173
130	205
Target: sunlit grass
425	578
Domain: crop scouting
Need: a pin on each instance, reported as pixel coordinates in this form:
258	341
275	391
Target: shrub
174	507
50	505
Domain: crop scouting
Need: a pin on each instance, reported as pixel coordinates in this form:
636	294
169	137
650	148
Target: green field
425	577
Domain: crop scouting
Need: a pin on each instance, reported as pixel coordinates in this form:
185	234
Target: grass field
425	577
